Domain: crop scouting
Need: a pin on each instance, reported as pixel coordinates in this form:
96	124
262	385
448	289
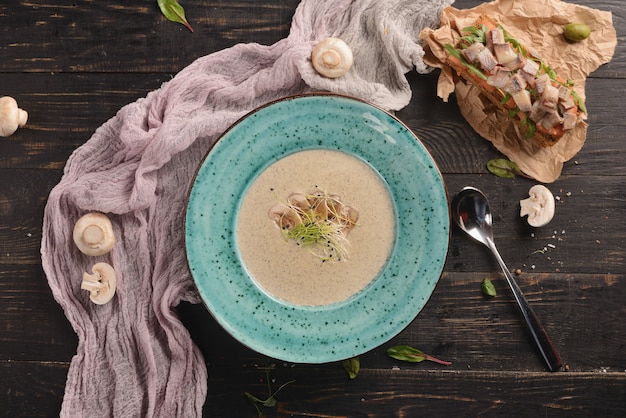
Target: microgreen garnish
318	221
270	401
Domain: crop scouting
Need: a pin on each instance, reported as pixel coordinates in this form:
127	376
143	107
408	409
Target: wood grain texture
73	65
415	391
120	36
461	325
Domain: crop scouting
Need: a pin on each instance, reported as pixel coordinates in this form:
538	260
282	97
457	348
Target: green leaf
474	34
174	12
270	401
579	102
504	168
412	355
456	53
352	366
488	288
452	51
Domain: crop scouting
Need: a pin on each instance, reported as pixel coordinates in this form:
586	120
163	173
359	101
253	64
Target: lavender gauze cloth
134	356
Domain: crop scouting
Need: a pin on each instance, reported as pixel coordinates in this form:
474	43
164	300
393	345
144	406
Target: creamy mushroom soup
291	272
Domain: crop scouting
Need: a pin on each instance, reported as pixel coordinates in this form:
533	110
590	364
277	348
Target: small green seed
576	31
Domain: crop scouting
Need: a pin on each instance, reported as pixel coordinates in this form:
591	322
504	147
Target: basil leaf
174	12
352	366
412	355
488	288
406	353
502	167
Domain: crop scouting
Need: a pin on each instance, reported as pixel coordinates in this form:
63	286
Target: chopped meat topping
487	61
520	75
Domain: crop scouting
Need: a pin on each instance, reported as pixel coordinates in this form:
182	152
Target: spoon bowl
470	210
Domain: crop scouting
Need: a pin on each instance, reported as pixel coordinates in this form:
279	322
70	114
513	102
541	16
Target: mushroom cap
93	234
539	206
11	116
332	57
101	284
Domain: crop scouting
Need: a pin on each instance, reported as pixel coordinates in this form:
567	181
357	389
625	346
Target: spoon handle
538	332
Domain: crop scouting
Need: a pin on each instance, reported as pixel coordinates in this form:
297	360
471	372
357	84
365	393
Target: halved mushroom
93	234
332	58
299	200
539	206
319	206
11	116
349	216
101	284
284	217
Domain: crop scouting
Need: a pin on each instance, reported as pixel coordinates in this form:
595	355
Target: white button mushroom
101	284
11	116
539	206
332	57
93	234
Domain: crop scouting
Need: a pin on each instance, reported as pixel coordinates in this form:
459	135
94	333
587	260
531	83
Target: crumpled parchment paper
538	25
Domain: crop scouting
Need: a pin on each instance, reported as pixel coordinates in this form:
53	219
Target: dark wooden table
72	65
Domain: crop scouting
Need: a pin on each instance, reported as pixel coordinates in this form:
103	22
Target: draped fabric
134	356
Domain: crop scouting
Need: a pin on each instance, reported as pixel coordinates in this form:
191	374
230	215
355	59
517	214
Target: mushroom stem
91	282
93	234
22	117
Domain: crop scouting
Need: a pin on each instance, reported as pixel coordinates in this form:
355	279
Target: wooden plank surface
72	66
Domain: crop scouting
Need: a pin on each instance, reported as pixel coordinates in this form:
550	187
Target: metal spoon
471	212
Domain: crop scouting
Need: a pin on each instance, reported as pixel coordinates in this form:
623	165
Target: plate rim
296	359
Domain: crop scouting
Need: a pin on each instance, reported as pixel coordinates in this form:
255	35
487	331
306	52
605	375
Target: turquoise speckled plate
371	317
